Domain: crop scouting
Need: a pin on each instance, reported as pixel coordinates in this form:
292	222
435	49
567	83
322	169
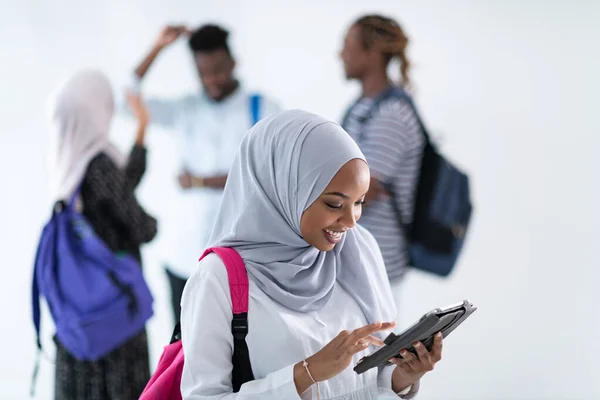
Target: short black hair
209	38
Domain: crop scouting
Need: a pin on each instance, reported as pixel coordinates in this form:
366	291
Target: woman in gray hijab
319	295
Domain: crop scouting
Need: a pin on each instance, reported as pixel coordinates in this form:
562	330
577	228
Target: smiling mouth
333	237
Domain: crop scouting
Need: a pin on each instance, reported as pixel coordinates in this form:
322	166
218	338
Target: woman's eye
334	206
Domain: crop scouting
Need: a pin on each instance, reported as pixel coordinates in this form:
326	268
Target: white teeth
335	235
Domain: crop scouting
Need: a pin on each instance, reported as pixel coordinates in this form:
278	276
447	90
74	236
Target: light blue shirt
208	134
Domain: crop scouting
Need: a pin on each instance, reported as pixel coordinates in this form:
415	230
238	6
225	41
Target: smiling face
338	208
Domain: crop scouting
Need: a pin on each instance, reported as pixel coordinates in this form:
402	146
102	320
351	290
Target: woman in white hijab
318	286
82	158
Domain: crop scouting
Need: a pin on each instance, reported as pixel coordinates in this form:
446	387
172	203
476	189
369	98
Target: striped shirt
392	142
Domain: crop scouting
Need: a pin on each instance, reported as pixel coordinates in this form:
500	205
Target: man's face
215	69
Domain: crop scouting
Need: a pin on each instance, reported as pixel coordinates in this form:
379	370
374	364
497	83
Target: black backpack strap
132	301
400	94
176	335
347	113
242	369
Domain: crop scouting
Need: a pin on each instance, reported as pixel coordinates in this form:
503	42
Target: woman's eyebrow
339	194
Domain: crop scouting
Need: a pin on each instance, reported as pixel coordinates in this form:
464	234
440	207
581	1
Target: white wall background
510	85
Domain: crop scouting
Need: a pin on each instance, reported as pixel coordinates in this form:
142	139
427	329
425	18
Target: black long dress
110	206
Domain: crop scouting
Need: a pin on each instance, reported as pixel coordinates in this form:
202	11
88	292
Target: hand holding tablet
441	320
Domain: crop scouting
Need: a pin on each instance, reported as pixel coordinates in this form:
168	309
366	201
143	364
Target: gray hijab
283	165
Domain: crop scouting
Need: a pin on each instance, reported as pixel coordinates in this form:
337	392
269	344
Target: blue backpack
98	299
442	209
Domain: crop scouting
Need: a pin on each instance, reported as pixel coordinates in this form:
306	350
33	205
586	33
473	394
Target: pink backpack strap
238	277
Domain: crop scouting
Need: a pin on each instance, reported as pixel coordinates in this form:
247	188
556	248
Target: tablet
443	320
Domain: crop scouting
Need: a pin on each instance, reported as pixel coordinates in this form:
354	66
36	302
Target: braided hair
387	36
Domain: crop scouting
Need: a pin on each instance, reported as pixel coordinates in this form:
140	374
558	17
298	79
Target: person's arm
207	340
166	37
213	182
385	380
161	112
136	164
188	181
143	67
376	190
404	374
392	138
116	196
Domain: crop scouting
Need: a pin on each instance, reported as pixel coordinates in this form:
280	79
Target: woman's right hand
337	354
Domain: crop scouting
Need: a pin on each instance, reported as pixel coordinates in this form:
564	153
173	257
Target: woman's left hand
411	368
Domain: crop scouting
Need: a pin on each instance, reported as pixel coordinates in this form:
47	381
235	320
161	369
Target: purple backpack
98	299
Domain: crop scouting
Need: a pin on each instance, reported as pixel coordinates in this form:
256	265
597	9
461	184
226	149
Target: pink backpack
166	381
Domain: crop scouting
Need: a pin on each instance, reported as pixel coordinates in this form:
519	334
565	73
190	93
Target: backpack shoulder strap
48	234
390	92
35	299
238	278
36	314
255	100
347	113
396	92
400	94
238	286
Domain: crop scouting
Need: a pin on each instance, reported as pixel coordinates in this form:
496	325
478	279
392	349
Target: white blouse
277	339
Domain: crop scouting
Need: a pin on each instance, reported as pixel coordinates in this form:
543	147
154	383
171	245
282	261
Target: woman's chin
326	246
